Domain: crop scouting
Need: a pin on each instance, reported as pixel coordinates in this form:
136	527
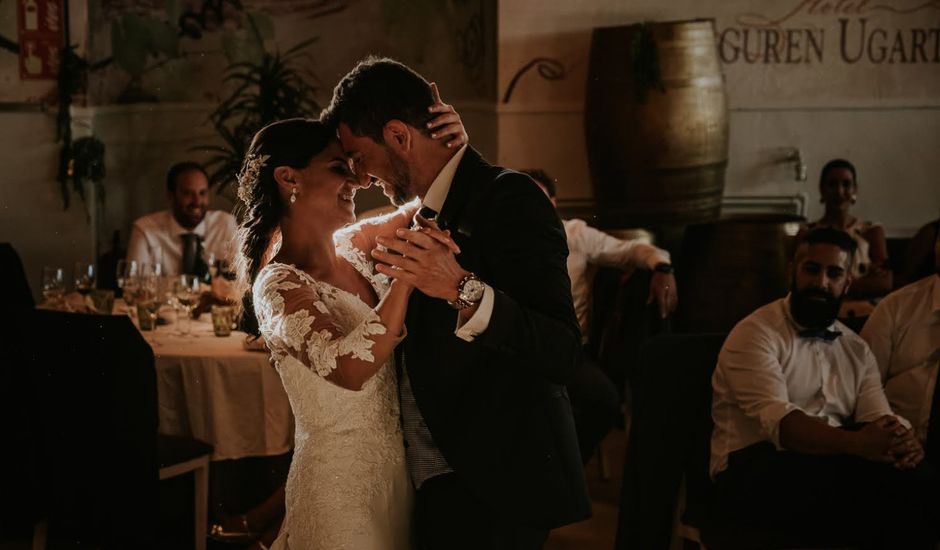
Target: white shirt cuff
480	321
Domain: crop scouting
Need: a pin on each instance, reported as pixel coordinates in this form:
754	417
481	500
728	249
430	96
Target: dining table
220	389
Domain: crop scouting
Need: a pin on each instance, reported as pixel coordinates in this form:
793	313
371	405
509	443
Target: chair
669	435
97	400
20	461
13	280
622	322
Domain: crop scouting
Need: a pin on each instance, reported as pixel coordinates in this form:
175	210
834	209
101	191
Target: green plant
80	160
271	89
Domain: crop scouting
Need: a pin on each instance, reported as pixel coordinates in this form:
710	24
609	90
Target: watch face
472	290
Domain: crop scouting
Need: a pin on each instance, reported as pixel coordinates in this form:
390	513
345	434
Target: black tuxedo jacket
497	407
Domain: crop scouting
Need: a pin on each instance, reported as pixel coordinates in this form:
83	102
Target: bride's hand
447	125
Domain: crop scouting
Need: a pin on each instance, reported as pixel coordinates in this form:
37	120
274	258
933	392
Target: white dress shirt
766	371
589	248
158	237
904	335
434	199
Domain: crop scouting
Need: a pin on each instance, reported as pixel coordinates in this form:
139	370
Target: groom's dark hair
378	90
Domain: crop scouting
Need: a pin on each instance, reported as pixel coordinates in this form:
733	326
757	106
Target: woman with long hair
331	323
838	190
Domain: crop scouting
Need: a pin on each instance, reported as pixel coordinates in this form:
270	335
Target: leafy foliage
72	79
266	91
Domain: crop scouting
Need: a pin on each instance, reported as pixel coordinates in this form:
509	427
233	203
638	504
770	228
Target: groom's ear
398	136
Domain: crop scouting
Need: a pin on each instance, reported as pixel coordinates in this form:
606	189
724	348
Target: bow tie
821	333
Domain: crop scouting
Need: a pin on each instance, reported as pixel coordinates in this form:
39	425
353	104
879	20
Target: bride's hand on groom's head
419	258
447	126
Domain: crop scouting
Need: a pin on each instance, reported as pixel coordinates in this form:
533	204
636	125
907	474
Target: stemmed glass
53	285
126	269
186	289
129	289
84	277
148	299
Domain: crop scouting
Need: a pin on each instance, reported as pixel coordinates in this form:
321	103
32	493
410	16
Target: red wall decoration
41	26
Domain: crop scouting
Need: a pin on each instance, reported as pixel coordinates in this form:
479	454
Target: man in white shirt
804	439
904	335
594	397
589	248
182	238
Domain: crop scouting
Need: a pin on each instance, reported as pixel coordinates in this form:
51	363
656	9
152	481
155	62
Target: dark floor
599	531
231	492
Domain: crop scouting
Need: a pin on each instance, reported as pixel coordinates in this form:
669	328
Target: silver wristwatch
469	292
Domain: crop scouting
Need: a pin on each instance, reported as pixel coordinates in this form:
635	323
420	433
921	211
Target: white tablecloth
212	389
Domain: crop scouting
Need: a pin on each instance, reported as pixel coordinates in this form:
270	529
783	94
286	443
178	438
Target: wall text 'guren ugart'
858	41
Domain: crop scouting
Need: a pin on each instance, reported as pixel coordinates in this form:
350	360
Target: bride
331	323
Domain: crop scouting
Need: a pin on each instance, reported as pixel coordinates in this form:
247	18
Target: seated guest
921	257
904	335
182	237
594	399
804	440
838	189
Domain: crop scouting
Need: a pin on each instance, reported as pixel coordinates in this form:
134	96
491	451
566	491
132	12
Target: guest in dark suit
490	438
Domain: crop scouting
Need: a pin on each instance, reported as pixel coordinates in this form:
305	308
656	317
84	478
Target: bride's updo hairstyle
292	142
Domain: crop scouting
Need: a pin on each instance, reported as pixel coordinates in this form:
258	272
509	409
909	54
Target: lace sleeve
296	317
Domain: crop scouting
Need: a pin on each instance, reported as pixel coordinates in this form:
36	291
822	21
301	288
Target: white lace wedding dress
348	485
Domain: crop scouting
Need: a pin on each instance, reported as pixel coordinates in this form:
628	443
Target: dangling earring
293	195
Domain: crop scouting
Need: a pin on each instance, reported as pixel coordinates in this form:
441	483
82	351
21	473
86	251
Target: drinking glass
223	319
53	285
148	302
211	261
131	285
102	301
187	294
84	277
126	269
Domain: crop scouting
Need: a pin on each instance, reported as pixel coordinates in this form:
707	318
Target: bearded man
804	440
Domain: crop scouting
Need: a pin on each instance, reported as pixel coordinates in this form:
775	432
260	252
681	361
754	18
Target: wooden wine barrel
656	123
729	268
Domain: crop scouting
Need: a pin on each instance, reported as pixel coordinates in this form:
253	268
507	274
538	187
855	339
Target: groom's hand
422	261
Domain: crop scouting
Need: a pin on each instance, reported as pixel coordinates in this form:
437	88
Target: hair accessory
248	177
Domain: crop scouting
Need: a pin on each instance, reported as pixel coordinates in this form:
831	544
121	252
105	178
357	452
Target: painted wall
31	214
853	78
173	53
837	78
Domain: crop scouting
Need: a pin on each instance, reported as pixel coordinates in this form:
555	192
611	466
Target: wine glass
211	261
126	269
53	285
131	284
84	277
148	301
187	294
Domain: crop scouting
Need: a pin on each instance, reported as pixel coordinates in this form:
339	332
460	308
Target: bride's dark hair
292	142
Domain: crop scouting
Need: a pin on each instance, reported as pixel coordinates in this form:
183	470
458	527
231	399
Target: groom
492	335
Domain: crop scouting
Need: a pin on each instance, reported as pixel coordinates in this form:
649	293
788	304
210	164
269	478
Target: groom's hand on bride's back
422	257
